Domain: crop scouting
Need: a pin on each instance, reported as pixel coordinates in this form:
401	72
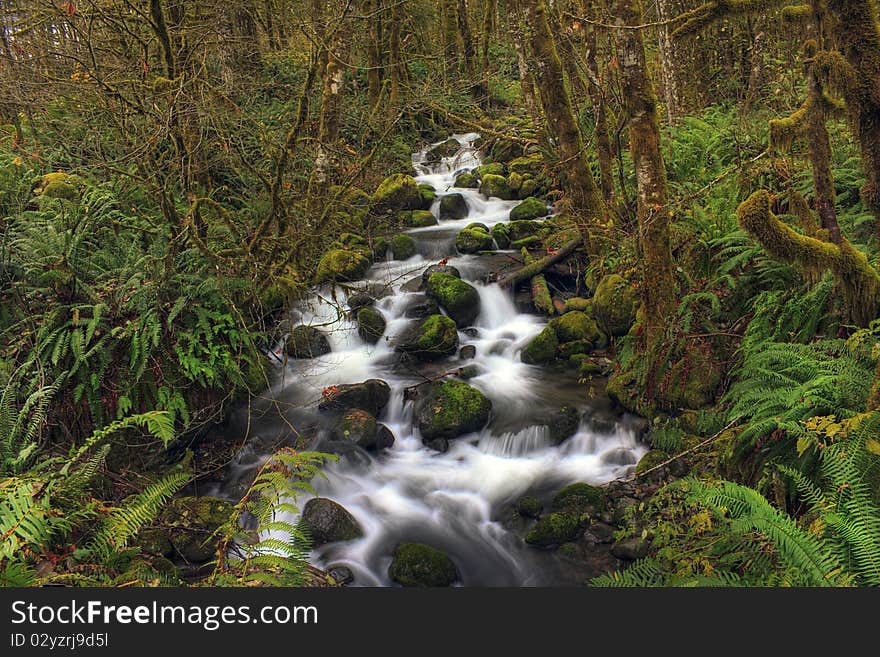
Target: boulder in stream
397	192
328	522
458	298
371	325
403	247
427	196
449	409
417	564
453	206
542	348
473	240
372	396
531	208
190	522
307	342
522	229
445	149
440	269
501	235
358	426
576	325
416	218
467	181
614	304
422	308
433	337
496	187
554	529
341	265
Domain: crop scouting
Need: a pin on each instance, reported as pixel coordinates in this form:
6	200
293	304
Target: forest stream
459	501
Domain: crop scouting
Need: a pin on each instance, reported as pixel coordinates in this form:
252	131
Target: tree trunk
596	90
449	29
395	63
658	280
587	203
526	79
374	82
668	63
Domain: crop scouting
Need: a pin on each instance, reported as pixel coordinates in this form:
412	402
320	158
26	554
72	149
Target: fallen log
540	292
531	270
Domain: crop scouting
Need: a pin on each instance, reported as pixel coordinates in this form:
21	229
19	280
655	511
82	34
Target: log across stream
461	501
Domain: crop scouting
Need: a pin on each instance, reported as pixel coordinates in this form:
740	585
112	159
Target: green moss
59	185
416	564
576	325
371	324
578	304
529	187
526	243
434	337
692	381
577	498
380	248
427	196
307	342
397	192
453	206
614	304
403	247
529	506
542	348
478	226
523	228
514	181
449	409
417	219
493	169
467	181
651	460
531	208
191	523
496	187
458	298
357	426
559	238
574	348
469	240
501	235
554	529
341	265
530	165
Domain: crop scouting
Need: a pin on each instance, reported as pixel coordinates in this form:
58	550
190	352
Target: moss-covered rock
501	235
448	409
554	529
459	299
59	185
578	304
515	181
529	506
397	192
155	541
359	300
371	395
419	565
692	381
403	247
542	348
446	149
579	498
574	348
562	424
358	426
615	304
328	522
532	242
529	166
491	169
449	270
651	460
191	524
342	265
371	325
433	337
531	208
470	240
505	150
416	218
453	206
576	325
467	181
307	342
478	226
522	229
427	196
529	187
380	248
496	187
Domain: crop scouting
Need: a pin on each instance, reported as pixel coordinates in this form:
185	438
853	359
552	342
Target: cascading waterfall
454	501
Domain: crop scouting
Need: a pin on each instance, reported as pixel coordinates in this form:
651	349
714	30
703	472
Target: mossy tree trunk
526	79
482	86
653	213
395	63
371	10
586	200
449	31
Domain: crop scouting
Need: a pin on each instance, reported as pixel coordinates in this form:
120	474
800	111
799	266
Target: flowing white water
454	500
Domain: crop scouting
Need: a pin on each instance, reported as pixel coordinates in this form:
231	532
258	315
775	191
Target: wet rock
447	149
358	426
438	445
384	438
427	196
599	422
342	265
532	242
554	529
493	186
359	300
467	352
469	372
531	208
371	396
458	298
190	522
619	456
630	549
329	522
478	226
347	451
531	165
413	285
340	574
575	348
472	240
621	509
579	304
397	192
371	325
542	348
505	150
307	342
467	181
523	229
403	247
529	506
493	168
416	218
453	206
614	304
416	564
422	309
563	424
574	326
448	409
603	532
433	337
